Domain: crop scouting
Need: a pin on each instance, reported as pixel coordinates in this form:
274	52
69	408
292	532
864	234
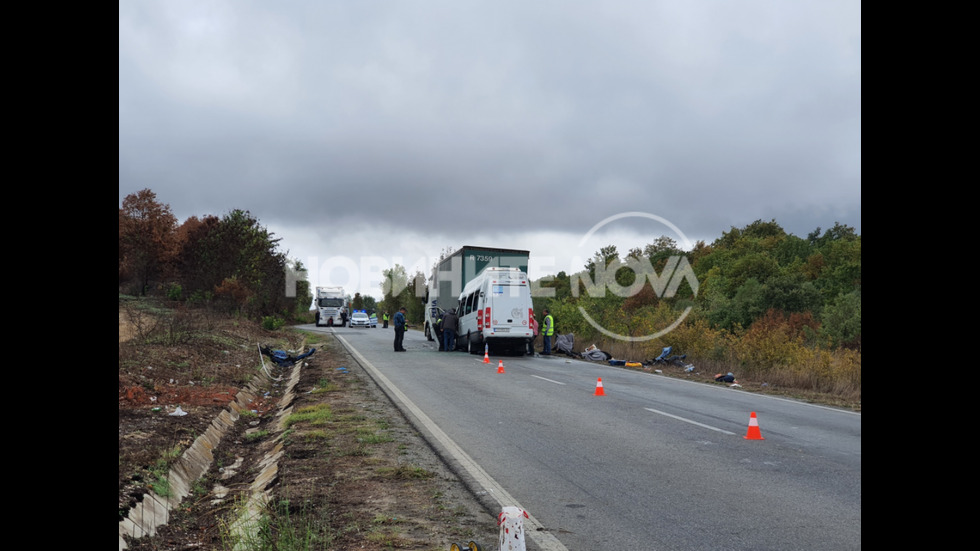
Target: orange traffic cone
753	433
500	367
598	388
486	358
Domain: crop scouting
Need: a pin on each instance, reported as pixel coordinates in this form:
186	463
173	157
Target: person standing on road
548	329
385	320
534	336
400	329
450	324
438	328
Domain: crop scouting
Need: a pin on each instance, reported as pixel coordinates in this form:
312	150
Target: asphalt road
655	464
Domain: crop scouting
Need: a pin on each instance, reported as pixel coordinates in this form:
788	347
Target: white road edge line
536	531
689	421
549	380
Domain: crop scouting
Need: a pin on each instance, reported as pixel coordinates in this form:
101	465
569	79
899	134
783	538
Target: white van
495	309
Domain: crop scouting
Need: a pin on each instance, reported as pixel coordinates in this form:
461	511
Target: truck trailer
331	306
451	275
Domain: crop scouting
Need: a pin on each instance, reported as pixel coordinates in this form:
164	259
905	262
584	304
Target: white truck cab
331	307
495	309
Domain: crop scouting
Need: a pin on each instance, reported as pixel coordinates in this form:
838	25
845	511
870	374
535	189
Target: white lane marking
689	421
549	380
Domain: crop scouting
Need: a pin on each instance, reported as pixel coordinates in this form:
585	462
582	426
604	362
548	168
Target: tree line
232	263
766	303
743	277
756	298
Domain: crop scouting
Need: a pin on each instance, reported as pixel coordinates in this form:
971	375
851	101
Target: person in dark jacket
438	328
450	324
400	329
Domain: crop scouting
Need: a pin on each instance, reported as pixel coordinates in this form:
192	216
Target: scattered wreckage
592	353
283	358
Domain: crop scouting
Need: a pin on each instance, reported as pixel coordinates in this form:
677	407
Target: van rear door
509	301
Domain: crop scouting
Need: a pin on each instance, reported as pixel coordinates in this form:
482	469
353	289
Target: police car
359	319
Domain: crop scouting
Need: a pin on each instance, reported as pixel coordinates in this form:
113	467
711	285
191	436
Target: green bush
272	323
174	292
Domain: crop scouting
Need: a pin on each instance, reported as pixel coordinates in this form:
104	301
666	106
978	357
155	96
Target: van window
469	304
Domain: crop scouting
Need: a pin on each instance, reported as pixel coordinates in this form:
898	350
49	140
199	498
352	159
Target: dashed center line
689	421
549	380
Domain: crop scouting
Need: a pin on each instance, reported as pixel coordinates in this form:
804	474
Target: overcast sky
369	133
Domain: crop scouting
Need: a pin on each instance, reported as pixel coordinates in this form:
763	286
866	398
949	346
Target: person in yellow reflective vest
385	319
547	330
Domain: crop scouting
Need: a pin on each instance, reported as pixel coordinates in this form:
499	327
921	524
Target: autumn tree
197	258
147	241
236	261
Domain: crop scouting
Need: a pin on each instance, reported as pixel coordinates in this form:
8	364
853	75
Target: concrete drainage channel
154	511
